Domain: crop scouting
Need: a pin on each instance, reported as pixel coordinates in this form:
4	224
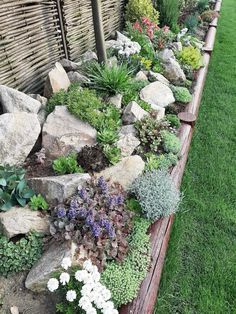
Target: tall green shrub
136	9
169	12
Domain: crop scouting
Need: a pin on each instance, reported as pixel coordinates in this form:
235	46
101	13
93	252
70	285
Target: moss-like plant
181	94
156	194
21	255
57	99
173	120
155	162
191	56
38	202
136	9
66	165
170	142
124	279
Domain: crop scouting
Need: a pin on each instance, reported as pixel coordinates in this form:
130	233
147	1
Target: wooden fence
32	33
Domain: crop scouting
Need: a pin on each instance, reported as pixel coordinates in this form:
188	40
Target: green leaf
3	182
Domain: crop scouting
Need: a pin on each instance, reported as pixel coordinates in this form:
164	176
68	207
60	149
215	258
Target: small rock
76	77
125	171
173	72
21	220
141	76
157	95
12	101
153	77
58	188
159	112
89	56
63	133
116	100
128	129
41	99
48	264
127	144
42	116
14	310
178	46
69	65
132	113
111	62
166	54
18	135
56	80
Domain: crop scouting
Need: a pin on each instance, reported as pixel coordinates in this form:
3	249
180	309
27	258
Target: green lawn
200	270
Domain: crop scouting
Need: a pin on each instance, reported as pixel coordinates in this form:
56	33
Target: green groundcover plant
66	165
38	202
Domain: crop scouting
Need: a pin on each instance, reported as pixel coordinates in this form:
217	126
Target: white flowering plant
82	290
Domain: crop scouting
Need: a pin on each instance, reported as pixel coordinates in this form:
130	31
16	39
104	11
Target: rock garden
85	166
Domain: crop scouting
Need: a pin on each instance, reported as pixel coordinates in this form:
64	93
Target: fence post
98	30
63	33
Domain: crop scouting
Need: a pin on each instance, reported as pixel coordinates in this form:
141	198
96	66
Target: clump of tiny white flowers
93	295
126	47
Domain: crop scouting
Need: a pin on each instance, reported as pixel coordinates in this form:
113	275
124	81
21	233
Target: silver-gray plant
156	194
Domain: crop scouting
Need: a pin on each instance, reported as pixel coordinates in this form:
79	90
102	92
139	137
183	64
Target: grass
200	270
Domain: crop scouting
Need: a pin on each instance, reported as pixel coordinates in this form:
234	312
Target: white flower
81	275
86	290
91	311
108	306
70	295
53	284
106	294
87	265
85	303
64	278
110	311
100	303
96	276
66	263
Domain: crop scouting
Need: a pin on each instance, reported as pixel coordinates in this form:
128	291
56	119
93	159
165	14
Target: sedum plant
124	279
170	142
107	136
66	165
13	187
181	94
136	9
173	120
156	194
191	56
38	202
20	255
97	220
155	162
112	153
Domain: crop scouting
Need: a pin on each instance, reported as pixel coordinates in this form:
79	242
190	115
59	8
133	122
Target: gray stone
42	116
132	113
116	100
127	144
41	99
157	95
56	80
12	101
166	54
76	77
141	76
125	171
112	62
69	65
64	133
178	46
48	264
159	112
128	129
153	77
173	72
18	135
121	37
22	220
89	56
58	188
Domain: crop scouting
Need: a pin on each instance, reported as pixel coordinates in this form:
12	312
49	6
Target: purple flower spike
120	199
82	212
74	204
83	194
89	220
103	185
61	212
96	230
72	213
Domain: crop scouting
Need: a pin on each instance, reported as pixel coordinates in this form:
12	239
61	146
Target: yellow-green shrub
136	9
191	56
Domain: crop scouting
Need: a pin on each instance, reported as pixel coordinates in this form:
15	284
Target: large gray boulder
22	220
57	189
132	113
173	72
12	100
157	95
56	80
63	133
125	171
18	135
49	264
69	65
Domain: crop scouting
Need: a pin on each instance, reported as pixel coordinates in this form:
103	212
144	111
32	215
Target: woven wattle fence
32	31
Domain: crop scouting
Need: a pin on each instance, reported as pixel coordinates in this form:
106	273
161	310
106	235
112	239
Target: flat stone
125	171
18	135
173	72
69	65
56	80
127	144
153	77
12	101
141	76
48	264
157	95
22	220
64	133
116	100
128	129
76	77
132	113
57	189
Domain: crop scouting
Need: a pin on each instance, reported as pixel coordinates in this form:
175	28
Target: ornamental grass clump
124	279
156	194
97	220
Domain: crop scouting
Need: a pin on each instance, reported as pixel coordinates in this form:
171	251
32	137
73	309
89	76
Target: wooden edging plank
210	39
218	6
160	231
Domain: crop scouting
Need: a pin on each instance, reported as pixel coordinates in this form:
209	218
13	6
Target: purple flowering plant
97	220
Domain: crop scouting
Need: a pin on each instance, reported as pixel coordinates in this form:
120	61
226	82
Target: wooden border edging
160	231
218	6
